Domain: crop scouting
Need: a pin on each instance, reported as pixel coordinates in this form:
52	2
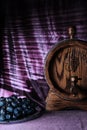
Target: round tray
27	118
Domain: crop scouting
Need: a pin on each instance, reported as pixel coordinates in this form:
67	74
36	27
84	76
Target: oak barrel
66	75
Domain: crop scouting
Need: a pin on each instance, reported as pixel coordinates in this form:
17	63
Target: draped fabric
28	30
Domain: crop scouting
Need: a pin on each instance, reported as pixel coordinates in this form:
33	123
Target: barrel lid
66	69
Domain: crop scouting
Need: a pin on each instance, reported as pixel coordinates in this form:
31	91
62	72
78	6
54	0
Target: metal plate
27	118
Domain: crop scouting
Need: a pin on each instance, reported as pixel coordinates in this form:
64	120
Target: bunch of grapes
14	108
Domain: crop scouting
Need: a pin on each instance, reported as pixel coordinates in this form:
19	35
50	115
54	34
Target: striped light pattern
29	30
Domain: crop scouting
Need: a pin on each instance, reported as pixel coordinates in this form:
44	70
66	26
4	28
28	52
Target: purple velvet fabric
28	30
61	120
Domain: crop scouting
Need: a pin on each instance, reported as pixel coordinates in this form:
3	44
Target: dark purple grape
28	106
23	112
24	106
18	103
14	117
9	109
2	118
16	112
14	97
23	99
9	99
2	103
31	111
19	109
20	100
2	99
14	103
26	111
2	111
8	116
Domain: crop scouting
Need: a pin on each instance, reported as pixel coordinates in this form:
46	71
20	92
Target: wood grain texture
67	59
54	102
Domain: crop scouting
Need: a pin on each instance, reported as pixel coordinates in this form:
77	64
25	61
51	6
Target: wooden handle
71	32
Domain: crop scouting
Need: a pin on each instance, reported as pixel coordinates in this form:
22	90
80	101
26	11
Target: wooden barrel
66	74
